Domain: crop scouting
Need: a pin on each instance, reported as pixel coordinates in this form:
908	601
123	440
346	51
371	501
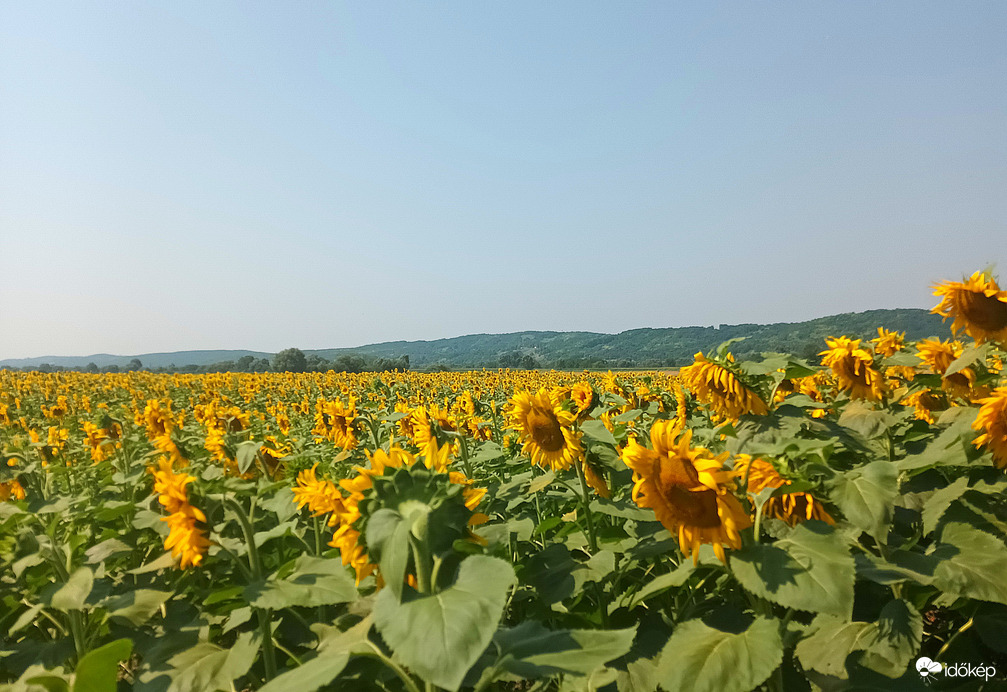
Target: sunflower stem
592	539
264	614
464	446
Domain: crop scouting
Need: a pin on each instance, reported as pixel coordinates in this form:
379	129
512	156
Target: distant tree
110	368
349	363
528	362
290	360
246	363
315	363
260	365
134	364
91	367
45	367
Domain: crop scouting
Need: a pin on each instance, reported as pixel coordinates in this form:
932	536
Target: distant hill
668	346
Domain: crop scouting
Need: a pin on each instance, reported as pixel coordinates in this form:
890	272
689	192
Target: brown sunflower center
987	313
545	429
694	508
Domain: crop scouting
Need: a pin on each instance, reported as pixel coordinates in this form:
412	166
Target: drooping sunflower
976	305
939	355
719	388
926	403
545	428
688	488
186	539
792	507
853	367
992	423
888	343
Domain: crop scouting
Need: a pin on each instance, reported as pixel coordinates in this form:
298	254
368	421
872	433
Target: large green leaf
135	606
830	640
938	503
388	541
865	419
899	633
810	569
98	670
889	644
439	637
595	429
309	676
699	658
971	563
533	651
209	668
866	496
315	581
73	594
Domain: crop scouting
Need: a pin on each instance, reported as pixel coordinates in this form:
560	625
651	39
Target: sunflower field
769	524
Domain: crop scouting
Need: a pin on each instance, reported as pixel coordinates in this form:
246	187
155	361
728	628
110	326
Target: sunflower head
545	428
977	306
991	422
853	367
791	508
888	343
721	389
688	489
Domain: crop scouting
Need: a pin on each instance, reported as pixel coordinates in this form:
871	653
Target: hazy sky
263	175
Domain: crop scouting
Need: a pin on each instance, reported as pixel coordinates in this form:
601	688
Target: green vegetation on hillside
645	348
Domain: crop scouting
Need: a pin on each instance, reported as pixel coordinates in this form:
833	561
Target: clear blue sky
264	175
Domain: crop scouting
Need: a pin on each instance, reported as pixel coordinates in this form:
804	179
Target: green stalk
396	668
592	539
263	614
464	446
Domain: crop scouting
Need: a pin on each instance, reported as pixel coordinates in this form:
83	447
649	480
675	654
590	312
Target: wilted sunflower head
888	343
853	367
545	428
976	305
719	388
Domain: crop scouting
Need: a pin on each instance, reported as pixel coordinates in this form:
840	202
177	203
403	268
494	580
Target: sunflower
428	427
545	428
939	355
888	343
926	403
853	367
9	489
792	507
992	422
583	397
688	488
715	385
336	422
595	478
348	534
320	496
186	540
157	420
977	306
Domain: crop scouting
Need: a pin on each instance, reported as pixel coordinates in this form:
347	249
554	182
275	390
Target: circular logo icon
925	667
